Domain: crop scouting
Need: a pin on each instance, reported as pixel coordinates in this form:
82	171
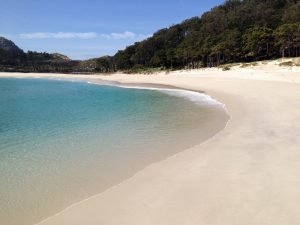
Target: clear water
61	142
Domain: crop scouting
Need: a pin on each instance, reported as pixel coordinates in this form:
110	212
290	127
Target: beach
246	174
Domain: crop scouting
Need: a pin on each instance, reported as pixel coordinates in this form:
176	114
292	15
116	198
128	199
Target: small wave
194	96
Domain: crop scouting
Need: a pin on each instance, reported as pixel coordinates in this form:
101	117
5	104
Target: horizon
91	29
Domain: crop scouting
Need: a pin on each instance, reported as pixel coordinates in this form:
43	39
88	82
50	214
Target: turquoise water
61	141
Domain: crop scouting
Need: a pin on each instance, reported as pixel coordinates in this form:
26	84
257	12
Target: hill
13	59
7	45
10	54
59	56
236	31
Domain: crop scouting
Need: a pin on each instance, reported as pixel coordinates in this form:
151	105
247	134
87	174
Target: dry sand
248	174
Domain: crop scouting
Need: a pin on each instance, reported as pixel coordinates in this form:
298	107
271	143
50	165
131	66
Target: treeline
18	61
237	31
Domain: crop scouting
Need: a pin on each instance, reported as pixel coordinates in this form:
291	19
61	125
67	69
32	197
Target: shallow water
61	141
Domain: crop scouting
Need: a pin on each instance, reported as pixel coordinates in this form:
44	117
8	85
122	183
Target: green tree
287	38
258	43
104	65
292	13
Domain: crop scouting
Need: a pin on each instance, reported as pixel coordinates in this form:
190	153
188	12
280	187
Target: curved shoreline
166	89
247	174
144	86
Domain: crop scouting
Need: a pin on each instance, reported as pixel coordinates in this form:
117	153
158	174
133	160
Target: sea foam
194	96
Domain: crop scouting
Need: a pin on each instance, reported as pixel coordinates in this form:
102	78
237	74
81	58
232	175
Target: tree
292	14
104	65
258	43
238	30
287	38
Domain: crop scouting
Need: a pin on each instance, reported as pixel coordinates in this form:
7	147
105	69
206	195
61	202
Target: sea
63	141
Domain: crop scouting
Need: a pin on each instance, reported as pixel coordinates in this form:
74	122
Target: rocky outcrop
59	56
9	46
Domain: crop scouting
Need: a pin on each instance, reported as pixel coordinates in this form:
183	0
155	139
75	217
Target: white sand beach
248	174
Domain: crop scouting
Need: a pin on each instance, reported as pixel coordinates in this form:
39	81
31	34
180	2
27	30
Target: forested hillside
236	31
13	59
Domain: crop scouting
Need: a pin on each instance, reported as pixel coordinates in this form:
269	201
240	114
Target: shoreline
145	86
201	96
240	174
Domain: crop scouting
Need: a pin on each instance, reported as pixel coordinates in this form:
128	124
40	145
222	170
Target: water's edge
147	86
190	95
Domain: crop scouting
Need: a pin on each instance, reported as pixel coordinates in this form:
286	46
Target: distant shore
247	174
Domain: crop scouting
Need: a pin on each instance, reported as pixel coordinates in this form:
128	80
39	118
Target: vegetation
225	67
290	63
18	61
236	31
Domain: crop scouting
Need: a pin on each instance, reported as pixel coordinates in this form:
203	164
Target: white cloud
59	35
127	35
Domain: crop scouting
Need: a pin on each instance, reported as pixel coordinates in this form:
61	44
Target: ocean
62	141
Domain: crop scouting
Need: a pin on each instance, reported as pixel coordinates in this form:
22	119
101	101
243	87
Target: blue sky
91	28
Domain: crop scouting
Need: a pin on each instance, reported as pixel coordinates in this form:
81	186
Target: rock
9	46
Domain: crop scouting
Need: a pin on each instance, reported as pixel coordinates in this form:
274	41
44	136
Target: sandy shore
248	174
